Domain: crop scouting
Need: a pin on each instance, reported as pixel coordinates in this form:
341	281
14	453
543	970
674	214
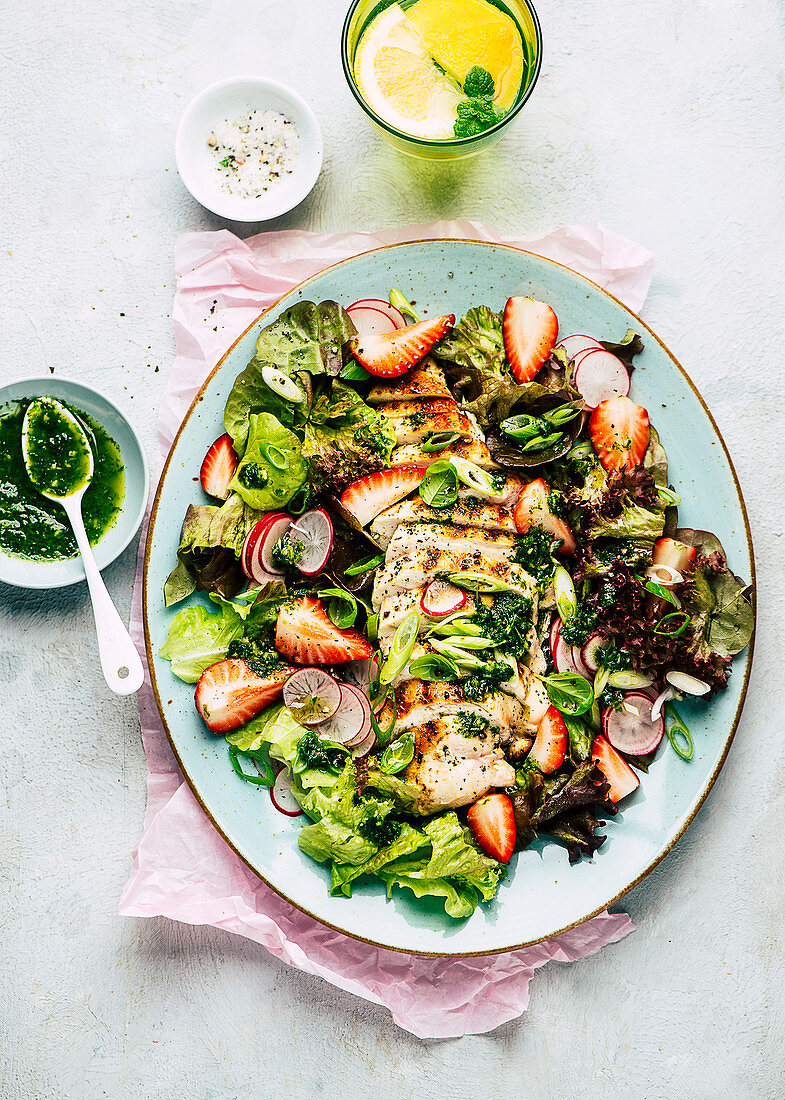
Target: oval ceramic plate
542	894
57	574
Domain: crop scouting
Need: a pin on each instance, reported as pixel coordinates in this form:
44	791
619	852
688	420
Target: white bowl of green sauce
37	549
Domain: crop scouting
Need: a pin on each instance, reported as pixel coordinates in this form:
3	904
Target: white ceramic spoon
121	664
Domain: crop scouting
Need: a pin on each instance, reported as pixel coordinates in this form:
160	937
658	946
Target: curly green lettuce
211	541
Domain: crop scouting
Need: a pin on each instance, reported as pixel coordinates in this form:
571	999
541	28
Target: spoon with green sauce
59	461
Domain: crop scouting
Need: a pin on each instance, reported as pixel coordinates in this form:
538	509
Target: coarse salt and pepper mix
255	152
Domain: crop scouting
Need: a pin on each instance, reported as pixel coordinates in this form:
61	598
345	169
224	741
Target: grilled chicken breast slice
509	493
411	454
413	421
468	512
424	563
409	538
425	380
418	702
452	769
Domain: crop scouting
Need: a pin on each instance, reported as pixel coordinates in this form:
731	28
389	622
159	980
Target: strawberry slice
619	431
218	468
492	823
533	510
622	780
370	495
305	634
550	744
388	354
677	555
229	693
530	329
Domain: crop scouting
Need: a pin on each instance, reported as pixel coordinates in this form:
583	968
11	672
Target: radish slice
312	695
600	375
370	321
578	663
251	540
272	535
282	797
315	531
690	685
364	746
363	733
352	718
567	658
575	344
442	598
360	673
633	729
591	650
553	637
395	315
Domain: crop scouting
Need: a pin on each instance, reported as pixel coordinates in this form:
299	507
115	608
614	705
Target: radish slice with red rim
312	695
364	746
576	343
314	530
632	729
275	531
395	315
442	598
591	651
362	733
351	719
600	375
255	570
360	673
282	797
578	663
370	321
555	634
251	539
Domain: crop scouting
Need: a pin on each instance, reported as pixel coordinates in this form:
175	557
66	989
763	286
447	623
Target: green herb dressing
30	525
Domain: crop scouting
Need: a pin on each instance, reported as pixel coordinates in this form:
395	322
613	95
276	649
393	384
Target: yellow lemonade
441	69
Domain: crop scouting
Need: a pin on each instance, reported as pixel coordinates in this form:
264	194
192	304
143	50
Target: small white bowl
231	99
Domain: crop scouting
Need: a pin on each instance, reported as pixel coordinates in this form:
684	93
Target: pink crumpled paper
182	868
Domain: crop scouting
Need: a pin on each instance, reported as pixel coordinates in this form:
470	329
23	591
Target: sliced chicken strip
418	702
424	563
413	455
469	512
409	538
452	769
413	421
425	380
510	492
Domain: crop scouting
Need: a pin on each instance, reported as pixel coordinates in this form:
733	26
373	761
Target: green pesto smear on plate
30	525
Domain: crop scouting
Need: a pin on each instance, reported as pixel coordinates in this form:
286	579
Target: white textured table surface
665	120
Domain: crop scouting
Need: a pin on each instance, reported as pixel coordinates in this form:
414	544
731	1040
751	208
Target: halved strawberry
370	495
530	329
492	823
305	634
677	555
550	744
622	780
533	510
388	354
229	693
620	433
218	468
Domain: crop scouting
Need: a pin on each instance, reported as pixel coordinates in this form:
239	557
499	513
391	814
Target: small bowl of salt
249	149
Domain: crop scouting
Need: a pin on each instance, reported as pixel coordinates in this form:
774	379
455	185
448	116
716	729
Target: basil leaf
569	693
364	566
342	608
397	754
439	486
433	667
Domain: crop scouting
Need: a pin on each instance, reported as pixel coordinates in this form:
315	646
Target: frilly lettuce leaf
655	461
724	619
211	541
278	484
198	638
306	338
344	439
634	522
460	899
627	348
474	360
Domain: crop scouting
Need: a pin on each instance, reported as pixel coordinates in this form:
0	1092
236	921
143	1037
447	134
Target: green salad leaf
198	638
723	615
211	542
634	522
344	439
263	479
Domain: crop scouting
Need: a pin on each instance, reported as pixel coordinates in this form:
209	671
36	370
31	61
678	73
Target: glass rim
439	143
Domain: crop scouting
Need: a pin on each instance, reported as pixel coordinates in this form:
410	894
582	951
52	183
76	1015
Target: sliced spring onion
600	681
474	477
372	628
382	735
455	653
679	734
283	385
688	685
355	372
365	565
433	667
667	496
664	574
398	301
342	608
563	414
658	590
266	776
439	486
479	582
542	442
566	600
521	427
437	441
276	457
673	624
401	649
466	641
660	702
626	679
581	451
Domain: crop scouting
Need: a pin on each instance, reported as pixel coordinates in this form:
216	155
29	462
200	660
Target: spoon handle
121	664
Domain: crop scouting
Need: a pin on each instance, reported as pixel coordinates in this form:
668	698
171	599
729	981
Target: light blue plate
58	574
542	895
